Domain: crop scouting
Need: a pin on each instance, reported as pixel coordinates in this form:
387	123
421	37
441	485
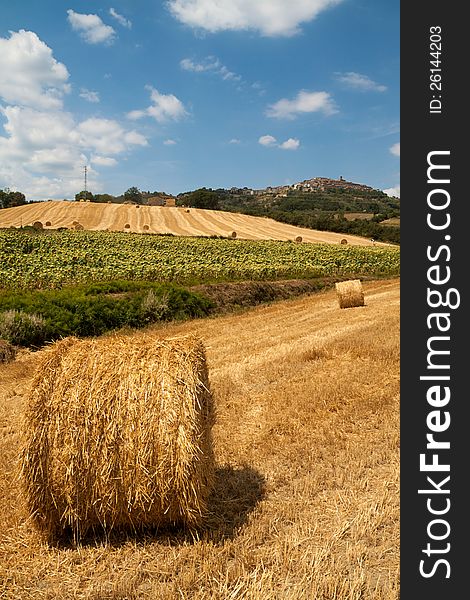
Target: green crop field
65	258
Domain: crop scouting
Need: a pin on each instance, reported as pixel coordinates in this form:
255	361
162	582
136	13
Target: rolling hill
164	220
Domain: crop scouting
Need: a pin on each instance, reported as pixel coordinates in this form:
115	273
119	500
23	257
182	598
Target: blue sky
180	94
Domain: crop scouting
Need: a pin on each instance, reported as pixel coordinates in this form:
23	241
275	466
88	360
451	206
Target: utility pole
85	173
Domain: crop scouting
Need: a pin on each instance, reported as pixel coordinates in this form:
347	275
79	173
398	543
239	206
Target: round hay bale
75	223
79	227
350	293
7	351
298	238
344	241
125	445
187	210
146	227
38	225
48	223
127	226
233	235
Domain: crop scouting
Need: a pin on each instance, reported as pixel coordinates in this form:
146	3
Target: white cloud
271	141
91	28
29	74
108	136
267	140
393	191
395	149
163	108
42	148
170	142
210	64
360	82
89	96
234	141
290	144
269	17
304	102
120	19
103	161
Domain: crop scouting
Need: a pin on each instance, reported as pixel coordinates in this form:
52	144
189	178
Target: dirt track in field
157	219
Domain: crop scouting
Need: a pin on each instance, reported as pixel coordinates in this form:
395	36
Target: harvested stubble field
164	220
306	502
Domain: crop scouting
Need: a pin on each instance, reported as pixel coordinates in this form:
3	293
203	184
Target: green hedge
33	317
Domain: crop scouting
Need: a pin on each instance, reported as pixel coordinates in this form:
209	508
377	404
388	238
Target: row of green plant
33	317
69	257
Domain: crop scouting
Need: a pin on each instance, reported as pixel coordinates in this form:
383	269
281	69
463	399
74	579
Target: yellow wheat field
306	441
158	219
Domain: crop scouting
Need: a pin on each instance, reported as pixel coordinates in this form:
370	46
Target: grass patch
34	317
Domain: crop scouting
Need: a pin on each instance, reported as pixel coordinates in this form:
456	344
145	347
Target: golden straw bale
344	241
298	238
233	234
78	227
38	225
117	435
350	293
146	227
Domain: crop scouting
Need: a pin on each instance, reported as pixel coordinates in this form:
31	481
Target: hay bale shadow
236	493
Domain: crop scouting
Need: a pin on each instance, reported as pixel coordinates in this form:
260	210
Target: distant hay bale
7	351
127	226
233	234
146	227
187	210
38	225
78	227
298	238
125	445
75	223
137	206
350	293
48	223
344	241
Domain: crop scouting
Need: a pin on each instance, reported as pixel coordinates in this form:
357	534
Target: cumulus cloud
42	147
304	102
271	141
267	140
163	108
359	82
170	142
393	191
89	96
209	64
29	74
290	144
120	19
234	141
268	17
103	161
395	149
91	28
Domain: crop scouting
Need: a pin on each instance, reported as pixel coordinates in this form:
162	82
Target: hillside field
164	220
306	501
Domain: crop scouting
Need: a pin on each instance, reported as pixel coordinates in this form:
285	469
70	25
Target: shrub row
33	317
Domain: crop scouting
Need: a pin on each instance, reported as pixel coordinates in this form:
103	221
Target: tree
84	195
9	198
203	198
133	194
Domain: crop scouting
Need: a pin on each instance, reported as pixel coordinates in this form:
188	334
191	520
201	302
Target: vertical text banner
435	252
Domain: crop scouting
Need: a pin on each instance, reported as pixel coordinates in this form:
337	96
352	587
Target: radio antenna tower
85	173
